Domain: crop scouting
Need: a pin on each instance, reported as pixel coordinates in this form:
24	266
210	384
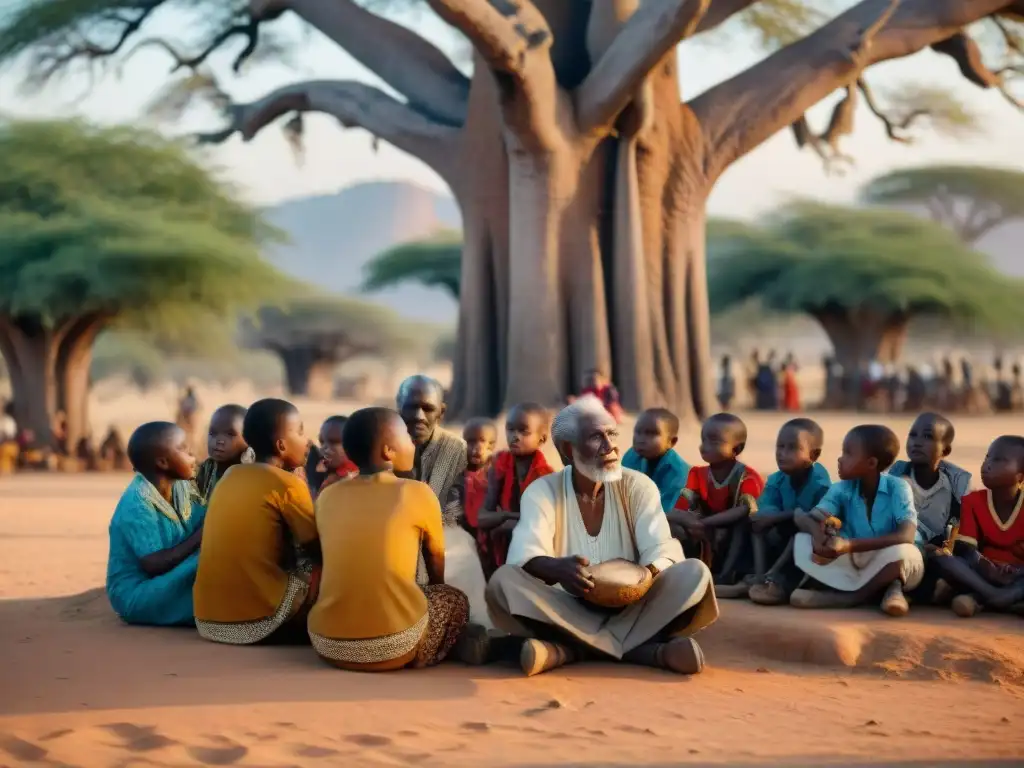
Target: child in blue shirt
653	453
795	489
858	542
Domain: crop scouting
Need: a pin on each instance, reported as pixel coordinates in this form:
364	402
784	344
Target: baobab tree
972	200
582	178
313	335
860	275
435	262
107	226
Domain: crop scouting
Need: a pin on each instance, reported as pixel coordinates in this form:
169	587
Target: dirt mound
932	645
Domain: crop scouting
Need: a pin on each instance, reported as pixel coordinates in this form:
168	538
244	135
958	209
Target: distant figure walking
790	387
188	412
726	384
766	386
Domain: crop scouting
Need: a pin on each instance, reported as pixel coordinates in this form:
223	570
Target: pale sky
266	171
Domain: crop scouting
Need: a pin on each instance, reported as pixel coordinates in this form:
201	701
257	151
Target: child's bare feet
895	602
966	606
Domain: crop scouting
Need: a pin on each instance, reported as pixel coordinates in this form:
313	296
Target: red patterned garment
509	494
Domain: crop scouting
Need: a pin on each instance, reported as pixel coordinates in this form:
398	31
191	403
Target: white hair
566	426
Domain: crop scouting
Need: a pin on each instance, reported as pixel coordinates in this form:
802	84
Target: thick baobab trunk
858	338
49	370
308	372
581	258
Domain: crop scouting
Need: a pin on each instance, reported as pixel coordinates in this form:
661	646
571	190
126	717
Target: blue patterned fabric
144	523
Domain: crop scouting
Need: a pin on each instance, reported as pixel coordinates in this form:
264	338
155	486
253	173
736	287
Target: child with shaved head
713	510
795	489
156	530
512	472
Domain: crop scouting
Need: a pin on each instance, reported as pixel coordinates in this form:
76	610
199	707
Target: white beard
596	474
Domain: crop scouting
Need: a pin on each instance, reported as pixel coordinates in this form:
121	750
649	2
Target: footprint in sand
313	752
368	740
139	738
21	750
227	755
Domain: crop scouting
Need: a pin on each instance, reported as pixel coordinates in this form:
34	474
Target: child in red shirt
480	436
987	563
526	430
713	511
333	459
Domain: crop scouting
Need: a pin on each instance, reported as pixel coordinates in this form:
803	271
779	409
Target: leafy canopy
333	326
812	258
434	262
118	220
999	186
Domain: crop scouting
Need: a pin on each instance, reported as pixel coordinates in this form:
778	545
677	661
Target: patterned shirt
707	496
442	466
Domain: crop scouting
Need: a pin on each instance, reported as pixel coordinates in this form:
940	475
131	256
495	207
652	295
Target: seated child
596	383
256	575
987	565
371	615
526	430
654	439
937	485
795	489
859	539
225	448
155	531
333	460
714	508
938	488
480	436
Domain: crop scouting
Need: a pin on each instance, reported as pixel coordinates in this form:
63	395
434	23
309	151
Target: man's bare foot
966	606
894	602
681	655
539	656
769	593
824	598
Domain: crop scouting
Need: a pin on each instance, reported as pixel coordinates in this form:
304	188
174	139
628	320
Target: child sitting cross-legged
987	563
653	453
713	511
225	447
938	487
858	541
795	489
335	464
526	430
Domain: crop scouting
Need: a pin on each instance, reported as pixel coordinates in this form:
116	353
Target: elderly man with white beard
592	512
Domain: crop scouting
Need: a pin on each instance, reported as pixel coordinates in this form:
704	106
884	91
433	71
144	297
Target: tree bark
308	372
49	370
858	338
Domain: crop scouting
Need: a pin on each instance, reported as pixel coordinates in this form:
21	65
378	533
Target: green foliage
336	326
999	186
122	222
435	262
809	258
780	22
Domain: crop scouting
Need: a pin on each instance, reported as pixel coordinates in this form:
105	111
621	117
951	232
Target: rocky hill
333	236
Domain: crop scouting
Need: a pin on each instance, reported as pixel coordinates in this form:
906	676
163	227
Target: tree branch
651	33
401	58
719	12
244	27
741	113
355	105
894	129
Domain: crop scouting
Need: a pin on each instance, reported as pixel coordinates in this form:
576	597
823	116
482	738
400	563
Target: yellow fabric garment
256	516
370	533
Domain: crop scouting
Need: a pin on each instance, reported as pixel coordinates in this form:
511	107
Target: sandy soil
784	687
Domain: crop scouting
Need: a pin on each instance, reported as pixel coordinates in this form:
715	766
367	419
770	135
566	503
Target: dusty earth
784	687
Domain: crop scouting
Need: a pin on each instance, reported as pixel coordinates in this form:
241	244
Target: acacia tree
860	275
972	200
581	177
435	262
314	335
100	226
